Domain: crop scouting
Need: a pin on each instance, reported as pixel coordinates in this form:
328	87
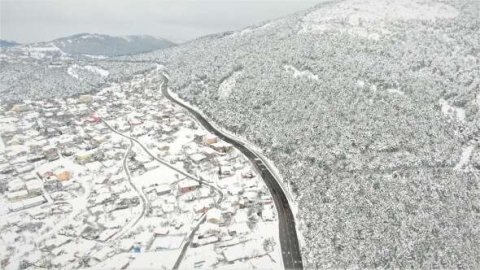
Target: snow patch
227	85
300	73
465	158
396	92
452	111
73	70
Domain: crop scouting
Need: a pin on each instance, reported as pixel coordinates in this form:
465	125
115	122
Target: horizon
30	21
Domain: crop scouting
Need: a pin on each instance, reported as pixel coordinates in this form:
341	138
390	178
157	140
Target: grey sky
180	20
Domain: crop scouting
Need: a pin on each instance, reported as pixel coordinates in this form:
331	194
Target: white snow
396	92
465	158
72	70
227	86
300	73
452	111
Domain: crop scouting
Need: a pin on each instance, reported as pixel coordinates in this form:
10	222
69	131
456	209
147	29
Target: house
268	214
209	152
20	108
210	139
84	156
250	249
62	174
168	208
226	170
51	153
85	98
199	136
248	174
163	147
221	147
103	254
162	190
197	241
167	242
15	185
214	216
151	165
203	205
197	158
239	229
94	119
187	185
34	187
17	195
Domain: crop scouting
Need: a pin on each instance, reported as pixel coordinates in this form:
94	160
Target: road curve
292	258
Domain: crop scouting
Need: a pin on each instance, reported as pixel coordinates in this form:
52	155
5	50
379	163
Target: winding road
292	258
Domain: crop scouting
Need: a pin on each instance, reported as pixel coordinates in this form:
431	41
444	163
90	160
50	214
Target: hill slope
366	108
95	44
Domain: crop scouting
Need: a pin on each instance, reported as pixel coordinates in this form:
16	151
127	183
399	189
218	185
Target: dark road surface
292	259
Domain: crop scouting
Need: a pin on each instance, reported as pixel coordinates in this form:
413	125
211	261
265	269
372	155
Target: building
17	195
85	98
222	147
226	170
51	153
214	216
84	156
210	139
15	185
103	254
62	174
151	165
19	108
203	205
197	158
187	185
34	187
199	136
162	190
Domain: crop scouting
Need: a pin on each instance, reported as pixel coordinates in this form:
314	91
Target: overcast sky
177	20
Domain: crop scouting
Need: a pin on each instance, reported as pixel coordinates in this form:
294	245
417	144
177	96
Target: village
124	179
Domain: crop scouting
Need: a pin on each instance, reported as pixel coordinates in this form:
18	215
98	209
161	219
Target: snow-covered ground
452	111
73	70
465	158
227	86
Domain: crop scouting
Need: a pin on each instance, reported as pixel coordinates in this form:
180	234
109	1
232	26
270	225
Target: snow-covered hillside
366	108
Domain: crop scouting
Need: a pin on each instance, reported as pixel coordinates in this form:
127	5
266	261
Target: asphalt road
292	258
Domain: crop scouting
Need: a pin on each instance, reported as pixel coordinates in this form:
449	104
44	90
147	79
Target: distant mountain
96	44
7	43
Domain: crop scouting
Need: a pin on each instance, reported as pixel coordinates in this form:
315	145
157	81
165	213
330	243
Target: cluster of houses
61	162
